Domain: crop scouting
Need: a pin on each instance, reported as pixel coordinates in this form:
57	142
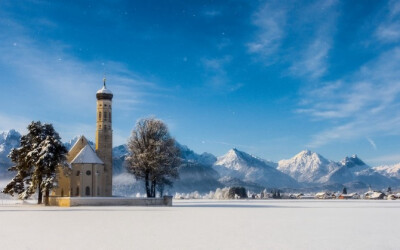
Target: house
349	196
374	195
325	195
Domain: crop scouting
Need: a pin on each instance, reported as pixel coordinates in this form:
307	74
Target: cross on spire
104	81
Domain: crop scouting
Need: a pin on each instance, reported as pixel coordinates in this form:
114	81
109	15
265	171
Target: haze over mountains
204	172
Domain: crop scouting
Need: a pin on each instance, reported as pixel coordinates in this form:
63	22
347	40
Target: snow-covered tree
154	156
36	162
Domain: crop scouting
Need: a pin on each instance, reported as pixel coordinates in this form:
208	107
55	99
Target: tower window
87	191
105	116
100	116
109	115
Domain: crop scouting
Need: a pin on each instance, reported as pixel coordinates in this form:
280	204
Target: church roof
87	155
104	90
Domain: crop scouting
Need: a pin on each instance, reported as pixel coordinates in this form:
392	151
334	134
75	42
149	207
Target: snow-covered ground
206	224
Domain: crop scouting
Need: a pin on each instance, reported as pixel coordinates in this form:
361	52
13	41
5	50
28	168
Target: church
89	171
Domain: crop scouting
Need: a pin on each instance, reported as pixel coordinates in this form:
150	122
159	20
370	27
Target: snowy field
205	224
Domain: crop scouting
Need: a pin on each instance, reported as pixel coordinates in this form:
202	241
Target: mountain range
204	172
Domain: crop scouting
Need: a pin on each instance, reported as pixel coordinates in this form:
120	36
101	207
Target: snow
248	168
87	155
104	90
206	224
308	167
389	171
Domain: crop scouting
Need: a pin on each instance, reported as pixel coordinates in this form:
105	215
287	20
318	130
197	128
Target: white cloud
364	104
279	23
372	143
312	59
217	76
389	30
60	79
270	19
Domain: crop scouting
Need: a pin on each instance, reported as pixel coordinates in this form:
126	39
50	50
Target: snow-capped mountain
391	171
240	165
190	156
308	167
354	172
71	142
204	172
350	169
8	140
119	154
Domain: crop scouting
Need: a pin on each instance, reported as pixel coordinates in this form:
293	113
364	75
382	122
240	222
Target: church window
88	172
87	191
77	191
62	192
78	173
99	116
105	116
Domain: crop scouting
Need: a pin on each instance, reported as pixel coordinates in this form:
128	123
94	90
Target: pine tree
154	156
344	190
36	162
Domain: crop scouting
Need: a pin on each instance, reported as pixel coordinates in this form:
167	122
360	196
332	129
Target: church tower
104	135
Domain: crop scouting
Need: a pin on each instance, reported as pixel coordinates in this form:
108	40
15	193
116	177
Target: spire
104	81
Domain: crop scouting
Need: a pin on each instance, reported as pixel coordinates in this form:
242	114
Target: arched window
78	173
62	192
100	116
105	116
87	191
77	191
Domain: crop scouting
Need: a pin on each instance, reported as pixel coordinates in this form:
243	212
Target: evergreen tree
36	162
154	156
344	190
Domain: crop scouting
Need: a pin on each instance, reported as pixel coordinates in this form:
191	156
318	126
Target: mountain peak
352	161
307	166
5	135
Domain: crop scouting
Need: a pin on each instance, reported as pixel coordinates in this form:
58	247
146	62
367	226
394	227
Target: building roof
87	155
104	90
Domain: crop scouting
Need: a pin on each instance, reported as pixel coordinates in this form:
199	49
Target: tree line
153	158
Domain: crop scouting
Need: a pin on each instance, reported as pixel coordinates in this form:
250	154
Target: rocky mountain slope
248	168
8	140
205	172
308	167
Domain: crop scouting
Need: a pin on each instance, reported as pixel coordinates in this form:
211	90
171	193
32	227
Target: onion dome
104	93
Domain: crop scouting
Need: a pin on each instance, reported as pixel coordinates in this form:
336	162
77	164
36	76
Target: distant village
241	193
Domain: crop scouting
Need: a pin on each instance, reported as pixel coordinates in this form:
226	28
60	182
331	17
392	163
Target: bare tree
154	156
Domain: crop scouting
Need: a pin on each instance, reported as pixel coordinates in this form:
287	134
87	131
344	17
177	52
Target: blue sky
270	78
